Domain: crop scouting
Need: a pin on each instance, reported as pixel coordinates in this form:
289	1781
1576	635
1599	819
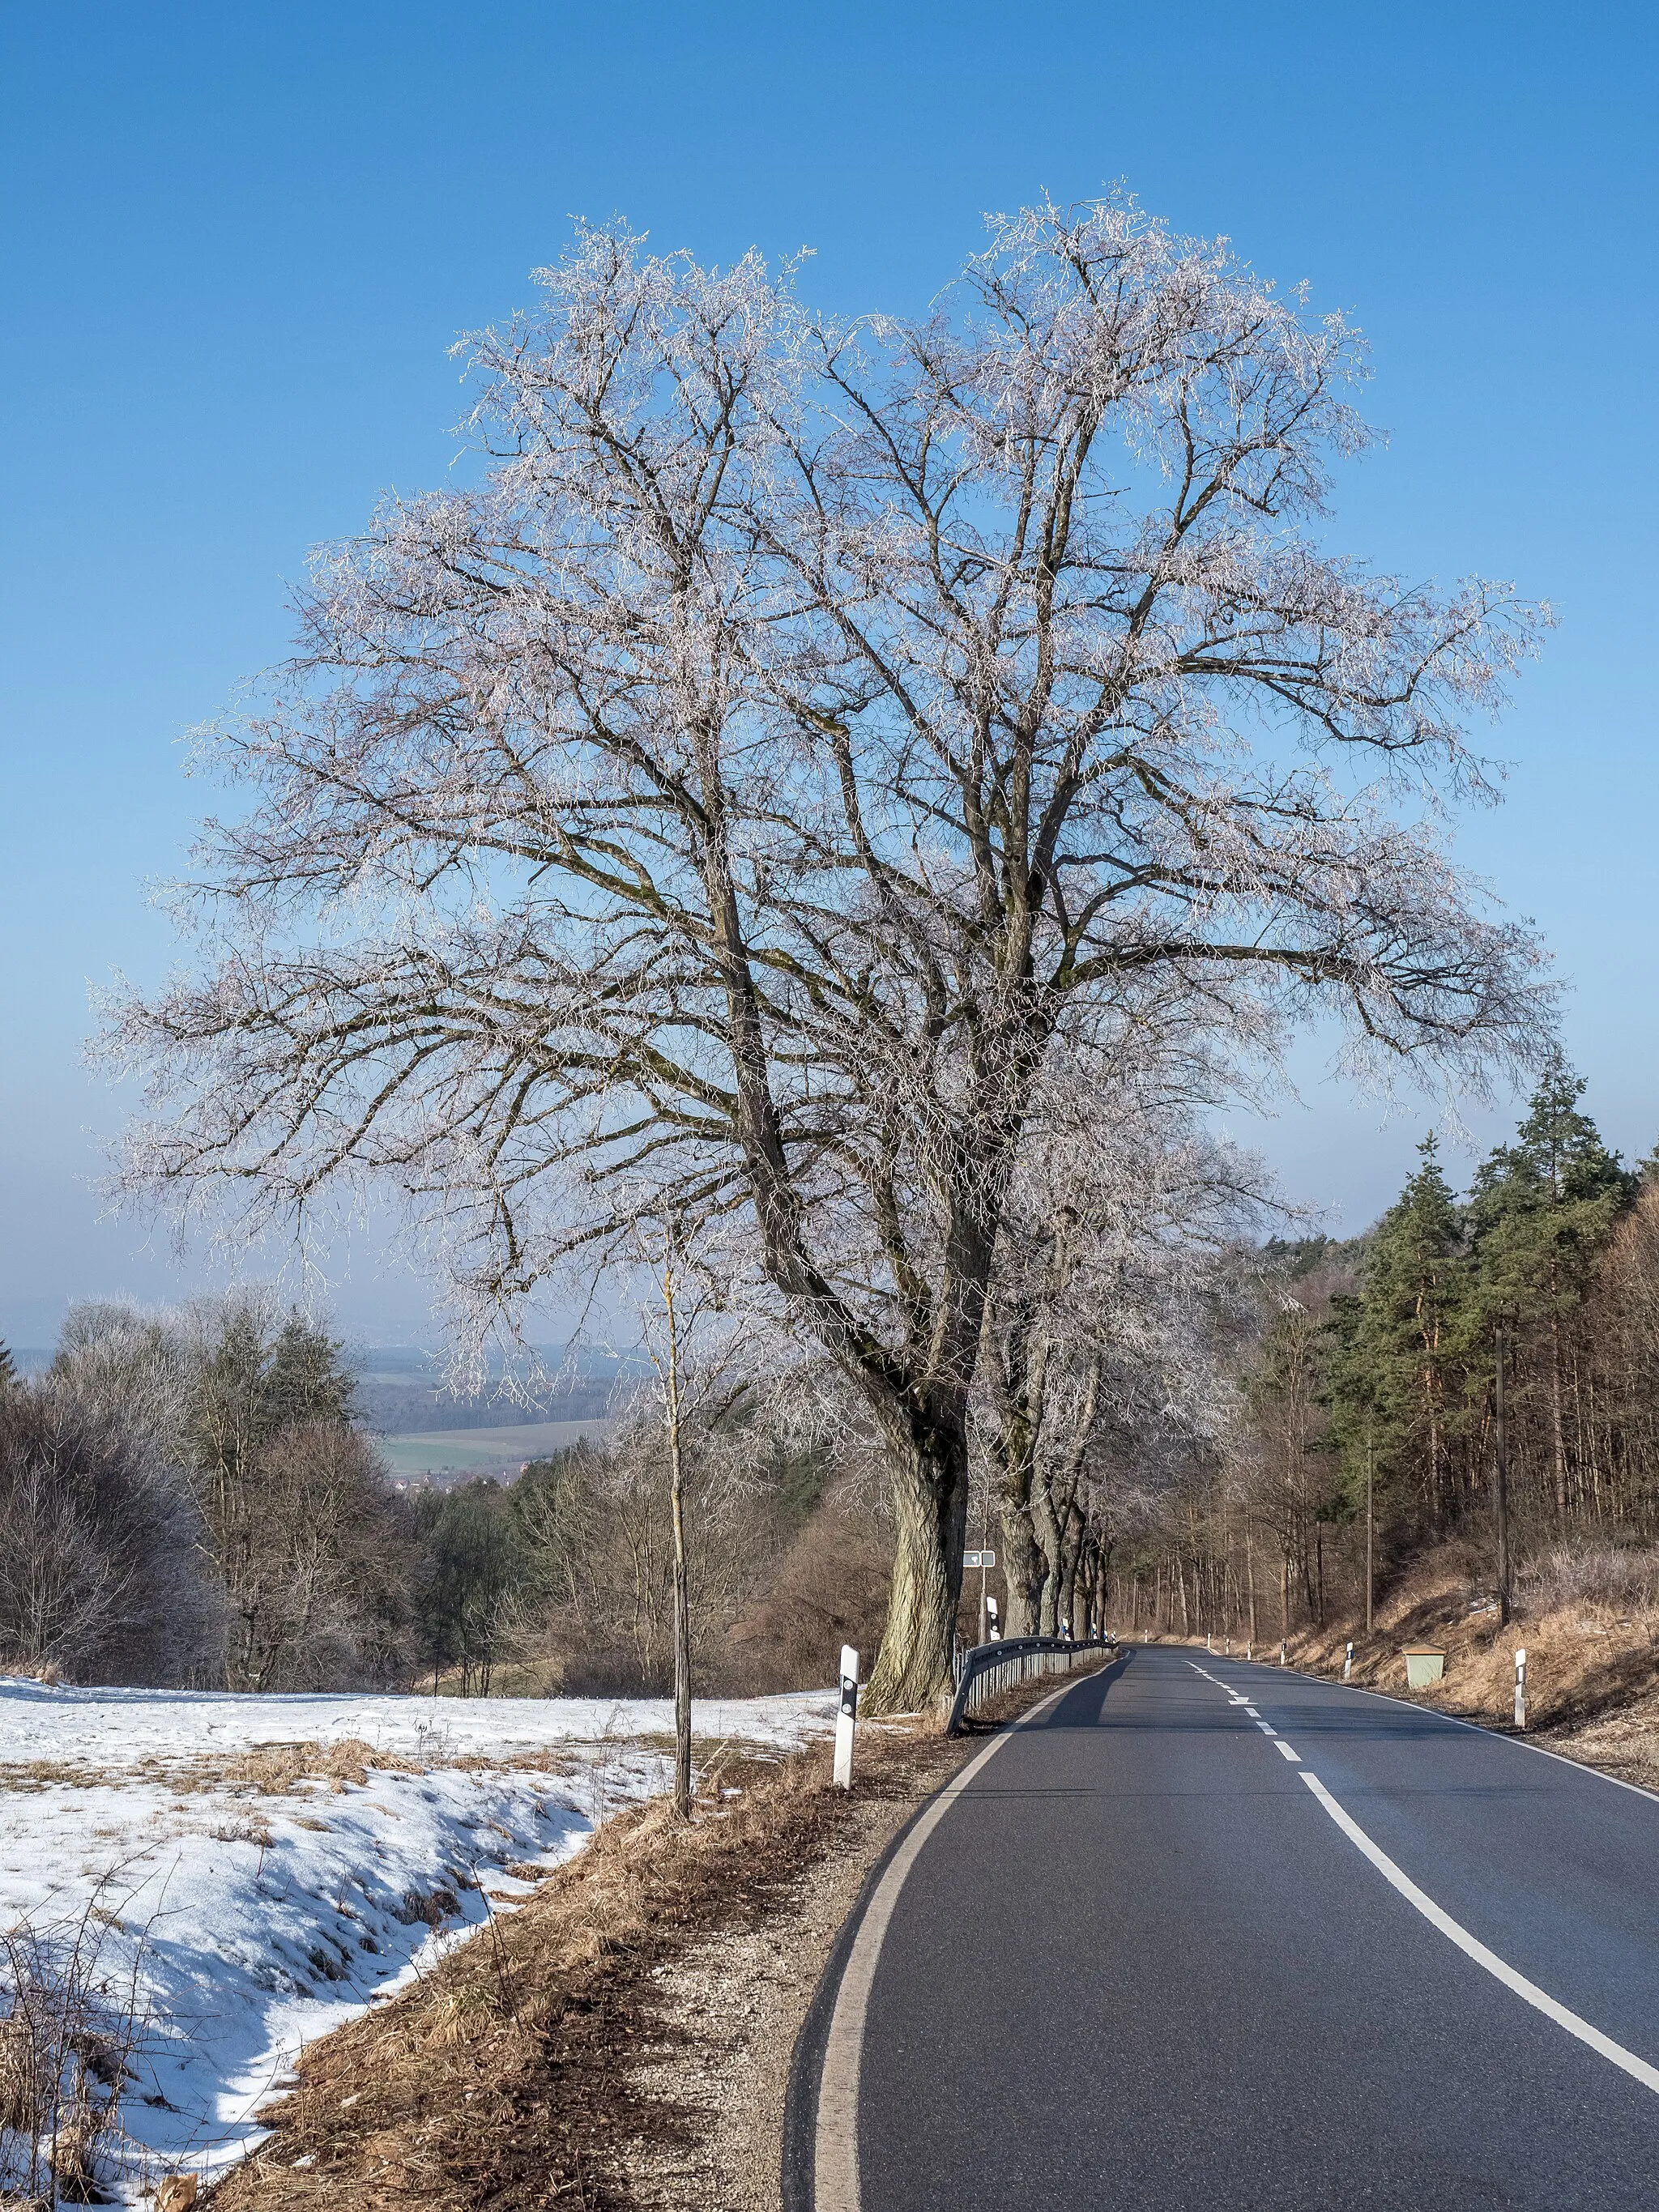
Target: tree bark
1022	1562
913	1669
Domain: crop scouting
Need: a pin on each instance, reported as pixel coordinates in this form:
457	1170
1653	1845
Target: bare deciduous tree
100	1571
793	738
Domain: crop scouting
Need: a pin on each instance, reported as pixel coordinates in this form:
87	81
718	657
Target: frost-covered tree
792	737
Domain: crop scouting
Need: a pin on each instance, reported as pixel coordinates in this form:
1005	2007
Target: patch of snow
247	1923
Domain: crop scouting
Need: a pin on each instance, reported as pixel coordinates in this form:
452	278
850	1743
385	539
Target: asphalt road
1136	1961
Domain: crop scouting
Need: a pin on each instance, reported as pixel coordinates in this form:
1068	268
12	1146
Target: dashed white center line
1285	1752
1265	1729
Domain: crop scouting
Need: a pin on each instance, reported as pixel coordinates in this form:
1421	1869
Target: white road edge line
1615	2053
836	2142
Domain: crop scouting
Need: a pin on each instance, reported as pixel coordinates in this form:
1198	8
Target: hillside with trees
1368	1427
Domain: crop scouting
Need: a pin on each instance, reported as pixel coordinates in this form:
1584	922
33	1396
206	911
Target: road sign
979	1559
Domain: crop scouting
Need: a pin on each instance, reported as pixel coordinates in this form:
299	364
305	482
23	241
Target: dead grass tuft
277	1770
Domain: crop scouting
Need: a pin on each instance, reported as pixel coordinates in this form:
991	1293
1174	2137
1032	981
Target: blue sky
238	241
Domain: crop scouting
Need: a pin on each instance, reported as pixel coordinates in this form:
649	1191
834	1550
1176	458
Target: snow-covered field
238	1897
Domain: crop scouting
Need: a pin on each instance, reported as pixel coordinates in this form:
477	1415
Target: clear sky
237	240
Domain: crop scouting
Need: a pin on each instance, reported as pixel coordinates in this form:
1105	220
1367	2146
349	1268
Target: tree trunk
1022	1560
912	1673
1071	1550
1558	1431
1046	1528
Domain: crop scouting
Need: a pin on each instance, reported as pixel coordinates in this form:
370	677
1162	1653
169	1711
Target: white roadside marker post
1282	1648
1348	1662
847	1716
1521	1687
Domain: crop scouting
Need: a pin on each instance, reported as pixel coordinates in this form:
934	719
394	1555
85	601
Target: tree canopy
804	751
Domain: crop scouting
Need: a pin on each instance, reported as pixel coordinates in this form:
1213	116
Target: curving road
1200	1936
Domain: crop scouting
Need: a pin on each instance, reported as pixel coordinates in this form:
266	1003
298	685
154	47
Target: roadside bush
1622	1578
64	2044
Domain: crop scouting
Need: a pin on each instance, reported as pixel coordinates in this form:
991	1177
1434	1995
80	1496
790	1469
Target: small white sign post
847	1715
981	1560
1348	1662
1521	1688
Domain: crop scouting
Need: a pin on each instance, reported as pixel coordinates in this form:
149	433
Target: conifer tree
1395	1399
8	1367
1541	1211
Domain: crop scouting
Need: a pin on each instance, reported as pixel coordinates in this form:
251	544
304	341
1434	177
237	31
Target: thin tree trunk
1284	1596
1558	1431
1370	1567
1501	1488
682	1594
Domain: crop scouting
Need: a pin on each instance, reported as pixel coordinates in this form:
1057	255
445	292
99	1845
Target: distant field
481	1451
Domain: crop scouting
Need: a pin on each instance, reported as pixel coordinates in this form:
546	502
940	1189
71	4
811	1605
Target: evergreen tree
1289	1393
1395	1404
476	1567
305	1378
1541	1211
8	1367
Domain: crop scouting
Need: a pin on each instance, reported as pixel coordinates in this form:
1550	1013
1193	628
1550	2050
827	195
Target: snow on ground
250	1908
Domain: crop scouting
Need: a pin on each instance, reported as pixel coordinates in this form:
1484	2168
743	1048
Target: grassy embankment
1589	1623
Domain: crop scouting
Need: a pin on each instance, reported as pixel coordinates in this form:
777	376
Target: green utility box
1424	1665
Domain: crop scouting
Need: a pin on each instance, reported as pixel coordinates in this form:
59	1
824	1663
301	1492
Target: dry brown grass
277	1770
1592	1664
502	2079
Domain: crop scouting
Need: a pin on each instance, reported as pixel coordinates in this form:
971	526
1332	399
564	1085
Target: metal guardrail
987	1670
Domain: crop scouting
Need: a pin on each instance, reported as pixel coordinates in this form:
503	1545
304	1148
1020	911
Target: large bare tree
790	738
